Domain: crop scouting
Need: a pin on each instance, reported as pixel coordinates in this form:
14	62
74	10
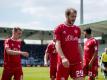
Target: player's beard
19	37
72	22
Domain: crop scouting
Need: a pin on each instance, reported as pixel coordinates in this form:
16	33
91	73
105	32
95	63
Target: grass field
40	73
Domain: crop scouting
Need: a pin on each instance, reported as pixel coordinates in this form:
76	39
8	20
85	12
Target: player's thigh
53	70
76	72
18	75
93	71
62	73
85	70
6	75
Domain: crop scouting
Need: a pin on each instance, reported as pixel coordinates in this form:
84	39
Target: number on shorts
90	74
79	73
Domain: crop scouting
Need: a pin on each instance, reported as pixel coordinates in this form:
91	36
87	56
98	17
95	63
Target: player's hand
25	54
45	64
90	65
65	62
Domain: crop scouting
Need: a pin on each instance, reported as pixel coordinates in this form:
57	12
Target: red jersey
12	61
69	38
52	53
90	47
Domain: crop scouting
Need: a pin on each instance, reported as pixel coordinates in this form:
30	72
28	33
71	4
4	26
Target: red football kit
69	38
90	47
53	58
12	63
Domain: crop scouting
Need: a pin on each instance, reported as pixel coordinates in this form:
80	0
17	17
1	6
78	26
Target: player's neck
14	38
68	24
89	36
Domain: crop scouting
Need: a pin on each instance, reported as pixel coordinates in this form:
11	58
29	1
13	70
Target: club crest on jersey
76	31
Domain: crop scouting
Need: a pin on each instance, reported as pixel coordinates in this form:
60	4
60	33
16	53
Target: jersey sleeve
95	45
6	44
79	36
48	49
57	33
79	32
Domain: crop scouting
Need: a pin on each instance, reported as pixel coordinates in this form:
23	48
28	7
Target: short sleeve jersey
90	47
69	38
12	60
52	53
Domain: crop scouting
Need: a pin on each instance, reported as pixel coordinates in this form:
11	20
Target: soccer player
67	37
104	63
52	54
90	55
12	56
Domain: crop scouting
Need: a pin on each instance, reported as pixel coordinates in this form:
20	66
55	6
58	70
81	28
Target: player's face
85	34
71	18
18	34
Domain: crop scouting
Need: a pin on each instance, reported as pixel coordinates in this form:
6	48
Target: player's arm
80	45
80	48
93	58
65	62
81	51
13	52
94	55
46	59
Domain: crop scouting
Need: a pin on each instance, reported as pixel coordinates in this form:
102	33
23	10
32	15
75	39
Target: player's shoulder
52	43
49	45
60	26
76	27
94	41
7	40
19	40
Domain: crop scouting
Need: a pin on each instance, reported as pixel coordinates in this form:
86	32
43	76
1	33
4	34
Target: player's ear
67	16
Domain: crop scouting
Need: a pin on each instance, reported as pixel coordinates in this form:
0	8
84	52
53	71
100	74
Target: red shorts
53	70
16	73
75	71
93	71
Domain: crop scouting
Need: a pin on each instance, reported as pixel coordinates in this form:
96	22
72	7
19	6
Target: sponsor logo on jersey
71	38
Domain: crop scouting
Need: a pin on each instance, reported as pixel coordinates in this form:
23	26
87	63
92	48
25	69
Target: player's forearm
81	51
12	52
59	49
93	58
46	58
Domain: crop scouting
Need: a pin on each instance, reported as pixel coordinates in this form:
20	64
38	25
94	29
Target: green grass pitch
40	73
